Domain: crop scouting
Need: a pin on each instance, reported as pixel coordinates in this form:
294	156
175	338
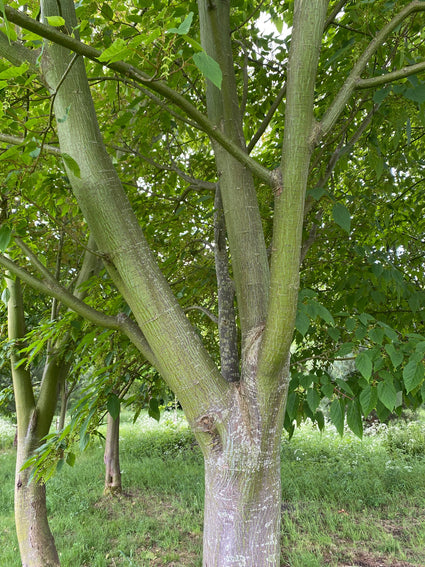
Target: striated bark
242	513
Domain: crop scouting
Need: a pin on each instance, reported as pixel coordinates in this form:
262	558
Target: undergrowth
346	502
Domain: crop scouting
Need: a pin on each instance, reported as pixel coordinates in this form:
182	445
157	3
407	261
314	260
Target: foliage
406	438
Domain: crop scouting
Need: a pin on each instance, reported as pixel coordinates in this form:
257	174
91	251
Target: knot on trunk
207	424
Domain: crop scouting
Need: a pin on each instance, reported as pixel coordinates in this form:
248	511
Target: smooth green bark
178	351
34	418
36	543
309	19
240	205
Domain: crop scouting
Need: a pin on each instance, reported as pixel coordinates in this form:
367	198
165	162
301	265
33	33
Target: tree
34	414
237	413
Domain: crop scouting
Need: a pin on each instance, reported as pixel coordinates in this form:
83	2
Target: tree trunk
243	490
34	418
242	515
36	542
112	456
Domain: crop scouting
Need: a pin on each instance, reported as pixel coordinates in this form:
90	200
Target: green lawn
346	502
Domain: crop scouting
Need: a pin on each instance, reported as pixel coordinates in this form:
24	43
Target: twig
263	126
248	18
204	310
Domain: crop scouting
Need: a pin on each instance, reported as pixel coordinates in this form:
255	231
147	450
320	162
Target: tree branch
209	185
204	310
340	150
17	54
129	71
49	286
390	77
350	84
335	12
263	126
16	141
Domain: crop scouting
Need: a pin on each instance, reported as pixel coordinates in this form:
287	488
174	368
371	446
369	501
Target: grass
346	502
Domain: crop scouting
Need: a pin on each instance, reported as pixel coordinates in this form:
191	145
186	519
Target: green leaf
5	296
413	374
70	459
56	21
292	405
117	51
408	131
153	409
417	94
316	309
387	395
354	418
113	406
84	442
337	413
184	27
379	167
395	355
368	398
377	335
302	323
341	216
208	67
381	94
7	28
305	380
320	420
313	399
391	334
195	44
364	365
344	349
317	193
342	384
5	237
365	318
13	72
324	314
35	153
420	347
107	12
328	390
84	436
335	334
278	23
72	165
